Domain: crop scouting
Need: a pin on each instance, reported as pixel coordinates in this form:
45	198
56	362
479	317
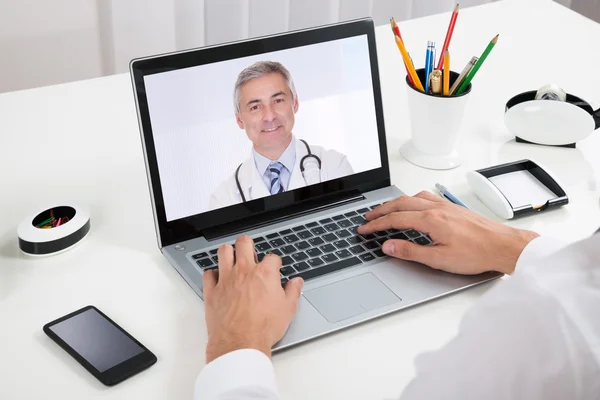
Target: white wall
44	42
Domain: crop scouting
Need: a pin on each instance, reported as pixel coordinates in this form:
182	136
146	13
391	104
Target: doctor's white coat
333	165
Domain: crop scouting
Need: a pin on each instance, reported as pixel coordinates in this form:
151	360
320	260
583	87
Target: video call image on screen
248	122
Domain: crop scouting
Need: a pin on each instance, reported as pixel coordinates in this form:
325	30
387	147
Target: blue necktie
274	172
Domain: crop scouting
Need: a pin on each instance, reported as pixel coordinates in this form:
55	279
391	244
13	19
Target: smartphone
101	346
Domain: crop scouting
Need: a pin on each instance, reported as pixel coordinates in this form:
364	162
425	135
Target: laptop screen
241	129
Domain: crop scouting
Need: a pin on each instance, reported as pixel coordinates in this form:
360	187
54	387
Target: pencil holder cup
435	122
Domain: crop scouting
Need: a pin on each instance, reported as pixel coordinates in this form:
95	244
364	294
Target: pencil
448	36
395	28
462	75
410	78
446	79
396	31
477	65
411	70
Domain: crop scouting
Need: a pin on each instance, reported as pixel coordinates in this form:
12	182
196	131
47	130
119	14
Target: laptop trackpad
351	297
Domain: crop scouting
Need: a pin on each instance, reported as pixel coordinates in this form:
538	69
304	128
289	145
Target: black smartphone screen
100	345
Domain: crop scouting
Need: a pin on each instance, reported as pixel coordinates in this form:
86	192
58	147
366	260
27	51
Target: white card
521	189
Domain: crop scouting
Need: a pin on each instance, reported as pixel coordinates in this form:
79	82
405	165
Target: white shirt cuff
235	371
538	248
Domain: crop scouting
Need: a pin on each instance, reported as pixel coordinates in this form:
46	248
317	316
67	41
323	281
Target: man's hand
245	304
465	242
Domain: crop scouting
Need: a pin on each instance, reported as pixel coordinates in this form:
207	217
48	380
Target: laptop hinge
280	215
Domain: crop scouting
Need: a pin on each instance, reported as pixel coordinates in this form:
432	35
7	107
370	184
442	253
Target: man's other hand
464	242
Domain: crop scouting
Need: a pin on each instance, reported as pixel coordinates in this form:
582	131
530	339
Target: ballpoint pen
429	60
446	193
435	79
463	75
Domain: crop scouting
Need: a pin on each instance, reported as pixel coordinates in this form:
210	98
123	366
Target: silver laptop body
348	280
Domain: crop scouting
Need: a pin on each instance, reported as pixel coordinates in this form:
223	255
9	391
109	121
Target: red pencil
395	28
448	37
396	31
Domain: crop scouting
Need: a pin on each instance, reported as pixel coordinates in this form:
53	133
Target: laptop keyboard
321	246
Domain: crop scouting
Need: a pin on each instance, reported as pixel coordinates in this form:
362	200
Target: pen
445	193
462	75
436	81
429	59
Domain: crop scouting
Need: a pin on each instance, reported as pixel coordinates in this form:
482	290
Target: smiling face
267	114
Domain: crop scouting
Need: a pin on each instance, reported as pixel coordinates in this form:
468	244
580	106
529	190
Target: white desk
86	133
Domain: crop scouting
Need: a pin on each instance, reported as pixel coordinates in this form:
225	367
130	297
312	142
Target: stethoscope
309	155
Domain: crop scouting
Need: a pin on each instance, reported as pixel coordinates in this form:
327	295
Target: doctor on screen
265	102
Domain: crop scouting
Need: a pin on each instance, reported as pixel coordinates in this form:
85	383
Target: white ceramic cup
435	123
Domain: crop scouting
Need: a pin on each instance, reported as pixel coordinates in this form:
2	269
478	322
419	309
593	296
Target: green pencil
477	65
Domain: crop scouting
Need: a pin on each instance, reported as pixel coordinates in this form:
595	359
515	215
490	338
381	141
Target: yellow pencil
446	73
409	65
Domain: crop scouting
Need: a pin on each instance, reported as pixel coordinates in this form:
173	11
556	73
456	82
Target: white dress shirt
252	183
287	159
534	336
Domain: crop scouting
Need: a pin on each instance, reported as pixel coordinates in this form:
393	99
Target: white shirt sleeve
538	248
534	336
240	375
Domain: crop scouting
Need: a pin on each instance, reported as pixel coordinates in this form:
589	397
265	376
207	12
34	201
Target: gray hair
257	70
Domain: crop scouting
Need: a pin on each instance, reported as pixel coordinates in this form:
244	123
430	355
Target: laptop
281	138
